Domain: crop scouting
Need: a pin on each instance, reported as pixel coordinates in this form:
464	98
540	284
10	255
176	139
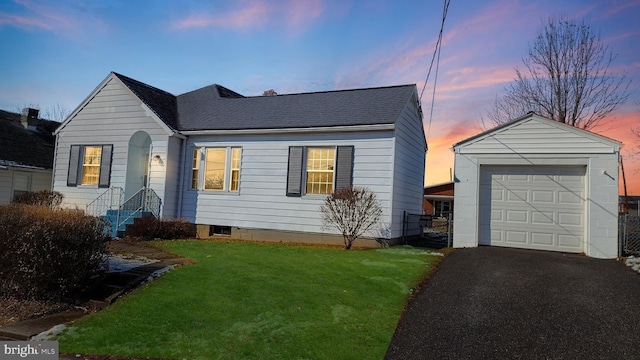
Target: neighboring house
438	199
254	168
539	184
26	153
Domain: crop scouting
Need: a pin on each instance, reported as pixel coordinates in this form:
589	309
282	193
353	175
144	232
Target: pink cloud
49	16
476	77
618	7
254	15
299	13
257	14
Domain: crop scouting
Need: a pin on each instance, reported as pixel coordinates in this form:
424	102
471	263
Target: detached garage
535	183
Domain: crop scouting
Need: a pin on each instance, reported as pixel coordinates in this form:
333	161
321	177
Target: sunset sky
56	52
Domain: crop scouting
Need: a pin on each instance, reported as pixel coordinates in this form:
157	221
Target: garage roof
533	133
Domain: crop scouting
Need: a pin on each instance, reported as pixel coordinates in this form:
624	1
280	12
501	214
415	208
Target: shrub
352	211
46	198
48	254
149	228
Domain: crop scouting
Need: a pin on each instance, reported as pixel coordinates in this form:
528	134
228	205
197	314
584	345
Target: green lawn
257	301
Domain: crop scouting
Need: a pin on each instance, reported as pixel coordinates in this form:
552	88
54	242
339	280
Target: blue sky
57	52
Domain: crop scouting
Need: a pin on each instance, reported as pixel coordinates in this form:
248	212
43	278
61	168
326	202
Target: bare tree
566	77
636	131
57	113
352	211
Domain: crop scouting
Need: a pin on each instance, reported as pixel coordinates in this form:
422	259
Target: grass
258	301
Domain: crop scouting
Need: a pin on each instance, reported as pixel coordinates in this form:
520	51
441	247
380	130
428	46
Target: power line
436	52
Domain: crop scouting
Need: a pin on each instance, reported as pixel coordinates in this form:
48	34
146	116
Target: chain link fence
428	230
629	233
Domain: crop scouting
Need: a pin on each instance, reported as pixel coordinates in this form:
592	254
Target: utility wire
436	52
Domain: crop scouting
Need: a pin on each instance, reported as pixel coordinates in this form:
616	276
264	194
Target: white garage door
533	207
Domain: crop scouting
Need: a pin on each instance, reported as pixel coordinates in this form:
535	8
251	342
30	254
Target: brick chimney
29	118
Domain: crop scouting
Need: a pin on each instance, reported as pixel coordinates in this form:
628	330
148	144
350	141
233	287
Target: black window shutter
294	171
105	166
344	167
74	165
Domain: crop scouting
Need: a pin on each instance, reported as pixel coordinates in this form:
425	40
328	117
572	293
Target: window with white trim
195	168
319	173
220	168
319	170
91	165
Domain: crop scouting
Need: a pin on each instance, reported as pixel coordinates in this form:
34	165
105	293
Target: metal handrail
110	199
144	200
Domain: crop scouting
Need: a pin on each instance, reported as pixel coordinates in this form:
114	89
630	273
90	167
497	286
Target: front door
137	163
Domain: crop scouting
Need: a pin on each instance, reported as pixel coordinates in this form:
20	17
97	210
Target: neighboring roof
533	116
20	147
203	110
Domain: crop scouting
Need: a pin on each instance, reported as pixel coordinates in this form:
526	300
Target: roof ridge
137	82
334	91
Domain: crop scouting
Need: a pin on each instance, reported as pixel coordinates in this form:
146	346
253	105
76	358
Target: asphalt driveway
499	303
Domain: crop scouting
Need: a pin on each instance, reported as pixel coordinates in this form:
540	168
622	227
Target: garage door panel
537	207
515	237
570	219
542	239
517	216
569	197
517	195
543	196
497	195
569	241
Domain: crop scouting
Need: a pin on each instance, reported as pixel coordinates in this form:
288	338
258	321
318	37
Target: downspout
183	148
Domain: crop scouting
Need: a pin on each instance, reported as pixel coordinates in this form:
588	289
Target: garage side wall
465	206
602	206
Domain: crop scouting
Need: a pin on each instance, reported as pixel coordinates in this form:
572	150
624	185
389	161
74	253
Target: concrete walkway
499	303
26	329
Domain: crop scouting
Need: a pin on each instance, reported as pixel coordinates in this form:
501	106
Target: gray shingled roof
200	110
162	103
215	107
22	147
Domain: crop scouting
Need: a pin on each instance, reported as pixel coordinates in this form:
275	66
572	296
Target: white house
536	183
250	167
26	153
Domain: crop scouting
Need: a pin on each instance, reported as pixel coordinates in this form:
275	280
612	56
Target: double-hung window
90	165
320	166
319	170
220	168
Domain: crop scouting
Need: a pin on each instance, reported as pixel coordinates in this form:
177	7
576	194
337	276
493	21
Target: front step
126	217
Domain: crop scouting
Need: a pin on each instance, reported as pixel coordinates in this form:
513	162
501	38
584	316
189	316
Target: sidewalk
114	287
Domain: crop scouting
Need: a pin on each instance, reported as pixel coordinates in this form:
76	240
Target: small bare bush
149	228
48	254
352	212
46	198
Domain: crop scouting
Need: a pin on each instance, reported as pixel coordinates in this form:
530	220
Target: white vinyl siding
261	202
536	138
112	115
408	175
